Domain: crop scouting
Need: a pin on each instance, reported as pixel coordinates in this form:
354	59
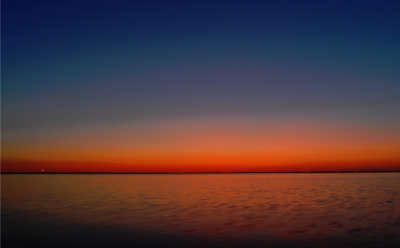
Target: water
201	210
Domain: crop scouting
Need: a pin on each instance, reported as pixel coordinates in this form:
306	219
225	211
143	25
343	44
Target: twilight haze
194	86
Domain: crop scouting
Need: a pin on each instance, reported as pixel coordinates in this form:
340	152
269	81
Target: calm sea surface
203	210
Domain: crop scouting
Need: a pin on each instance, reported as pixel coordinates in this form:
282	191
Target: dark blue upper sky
68	63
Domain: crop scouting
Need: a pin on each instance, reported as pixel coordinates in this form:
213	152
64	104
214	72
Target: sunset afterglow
200	87
210	146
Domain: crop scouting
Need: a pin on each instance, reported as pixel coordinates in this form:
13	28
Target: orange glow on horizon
212	145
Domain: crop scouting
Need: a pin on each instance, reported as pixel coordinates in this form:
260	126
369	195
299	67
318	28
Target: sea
201	210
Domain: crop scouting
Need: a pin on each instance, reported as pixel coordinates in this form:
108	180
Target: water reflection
219	209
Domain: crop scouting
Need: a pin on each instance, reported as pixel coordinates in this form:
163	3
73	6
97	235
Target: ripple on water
270	208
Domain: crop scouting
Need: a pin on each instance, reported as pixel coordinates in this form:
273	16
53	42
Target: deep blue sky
77	63
256	84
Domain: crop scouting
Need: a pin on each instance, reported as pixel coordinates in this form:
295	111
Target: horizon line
215	172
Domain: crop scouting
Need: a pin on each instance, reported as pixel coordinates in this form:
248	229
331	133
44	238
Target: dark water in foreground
206	210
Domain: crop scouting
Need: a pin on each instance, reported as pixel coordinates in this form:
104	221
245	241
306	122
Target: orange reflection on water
216	205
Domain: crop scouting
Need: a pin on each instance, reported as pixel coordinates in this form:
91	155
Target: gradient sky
200	85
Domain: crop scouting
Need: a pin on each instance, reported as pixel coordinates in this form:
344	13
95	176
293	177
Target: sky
200	86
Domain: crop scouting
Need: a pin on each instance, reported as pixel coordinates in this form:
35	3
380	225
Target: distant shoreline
179	173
